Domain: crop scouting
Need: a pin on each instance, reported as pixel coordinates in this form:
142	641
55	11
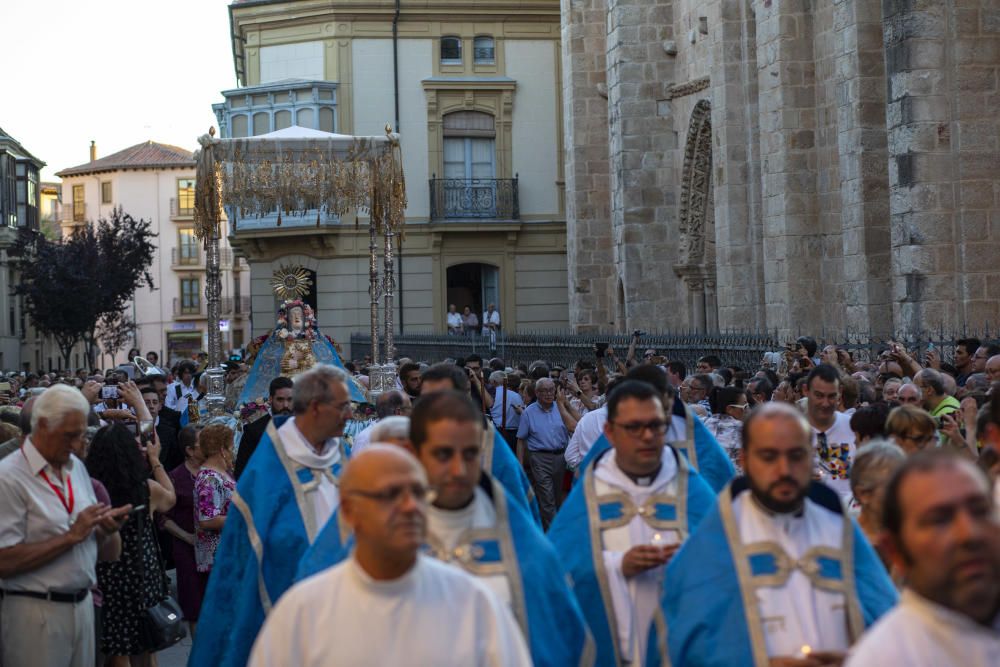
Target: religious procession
503	334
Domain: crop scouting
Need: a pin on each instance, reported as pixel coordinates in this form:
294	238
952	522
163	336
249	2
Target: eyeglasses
394	495
740	407
656	427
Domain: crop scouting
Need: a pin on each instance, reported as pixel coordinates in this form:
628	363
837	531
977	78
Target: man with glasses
286	493
698	391
777	573
624	521
387	604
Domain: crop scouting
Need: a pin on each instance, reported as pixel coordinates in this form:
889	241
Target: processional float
297	171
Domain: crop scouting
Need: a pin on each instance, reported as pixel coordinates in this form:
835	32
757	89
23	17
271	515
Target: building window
484	51
79	206
106	192
187	247
185	196
451	51
237	339
190	296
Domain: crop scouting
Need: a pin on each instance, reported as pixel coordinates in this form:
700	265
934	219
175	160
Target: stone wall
853	153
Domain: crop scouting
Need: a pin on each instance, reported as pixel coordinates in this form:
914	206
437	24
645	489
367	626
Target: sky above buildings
118	72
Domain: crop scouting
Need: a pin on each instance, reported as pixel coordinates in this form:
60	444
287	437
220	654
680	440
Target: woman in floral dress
213	488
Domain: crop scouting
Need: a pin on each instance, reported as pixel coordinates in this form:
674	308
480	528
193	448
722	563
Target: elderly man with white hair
52	532
393	403
543	435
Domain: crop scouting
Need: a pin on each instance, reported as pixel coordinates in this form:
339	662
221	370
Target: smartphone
137	509
109	391
145	431
571	376
602	348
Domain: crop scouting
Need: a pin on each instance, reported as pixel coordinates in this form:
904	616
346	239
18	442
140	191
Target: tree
70	285
115	331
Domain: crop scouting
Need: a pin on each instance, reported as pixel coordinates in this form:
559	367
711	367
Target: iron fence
465	198
743	349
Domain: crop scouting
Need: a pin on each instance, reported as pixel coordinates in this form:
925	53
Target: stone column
643	179
793	250
864	181
589	255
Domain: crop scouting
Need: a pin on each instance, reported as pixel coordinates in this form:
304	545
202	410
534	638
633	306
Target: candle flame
806	649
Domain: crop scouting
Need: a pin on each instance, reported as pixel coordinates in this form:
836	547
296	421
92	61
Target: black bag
162	625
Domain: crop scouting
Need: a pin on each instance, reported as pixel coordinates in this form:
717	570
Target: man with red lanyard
52	531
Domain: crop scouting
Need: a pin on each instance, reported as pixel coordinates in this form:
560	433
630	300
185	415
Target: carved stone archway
696	262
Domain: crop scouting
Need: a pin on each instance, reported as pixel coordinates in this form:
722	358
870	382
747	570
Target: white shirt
362	439
634	599
591	426
454	320
433	615
180	403
797	613
30	511
445	529
920	633
838	435
326	497
490	318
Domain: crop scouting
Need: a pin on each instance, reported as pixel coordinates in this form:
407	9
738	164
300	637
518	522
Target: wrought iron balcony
194	257
183	208
73	212
474	198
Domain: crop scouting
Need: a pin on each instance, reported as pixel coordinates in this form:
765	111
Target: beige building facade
155	182
475	92
790	165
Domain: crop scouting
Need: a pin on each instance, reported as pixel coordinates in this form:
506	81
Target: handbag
162	625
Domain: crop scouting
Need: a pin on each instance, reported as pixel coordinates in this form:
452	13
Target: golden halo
291	282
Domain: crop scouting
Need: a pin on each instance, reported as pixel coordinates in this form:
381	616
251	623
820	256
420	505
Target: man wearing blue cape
474	523
623	521
287	491
777	569
686	433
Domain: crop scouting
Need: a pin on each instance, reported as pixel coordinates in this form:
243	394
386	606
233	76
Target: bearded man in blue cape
685	433
777	570
633	507
287	492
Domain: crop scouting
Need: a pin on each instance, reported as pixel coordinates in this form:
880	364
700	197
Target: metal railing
228	305
73	212
179	257
474	198
241	305
742	349
178	211
192	308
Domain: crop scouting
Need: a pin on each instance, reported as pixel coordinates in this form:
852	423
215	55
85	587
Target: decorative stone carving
695	186
688	88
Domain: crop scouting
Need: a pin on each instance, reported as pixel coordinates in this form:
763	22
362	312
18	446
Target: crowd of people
815	510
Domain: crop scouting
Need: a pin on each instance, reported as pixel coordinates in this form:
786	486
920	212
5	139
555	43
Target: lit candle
657	539
805	650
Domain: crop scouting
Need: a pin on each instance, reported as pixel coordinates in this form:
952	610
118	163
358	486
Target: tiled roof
17	149
148	155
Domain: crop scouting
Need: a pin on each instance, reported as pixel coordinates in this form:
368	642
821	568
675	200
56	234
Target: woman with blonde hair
911	428
213	489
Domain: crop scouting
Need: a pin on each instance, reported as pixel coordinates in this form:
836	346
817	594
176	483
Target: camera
146	431
638	334
601	348
109	391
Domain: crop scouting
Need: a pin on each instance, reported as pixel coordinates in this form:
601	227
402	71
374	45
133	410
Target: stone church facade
794	165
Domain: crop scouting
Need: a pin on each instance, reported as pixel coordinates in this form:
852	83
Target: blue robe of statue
267	366
706	601
576	535
700	448
502	465
541	599
270	525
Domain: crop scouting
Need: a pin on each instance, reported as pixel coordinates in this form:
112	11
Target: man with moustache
776	574
409	609
944	537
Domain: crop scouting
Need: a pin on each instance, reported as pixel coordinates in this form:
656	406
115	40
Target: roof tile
149	154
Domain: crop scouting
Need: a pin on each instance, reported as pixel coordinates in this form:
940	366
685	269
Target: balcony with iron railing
474	199
193	257
73	213
197	308
183	212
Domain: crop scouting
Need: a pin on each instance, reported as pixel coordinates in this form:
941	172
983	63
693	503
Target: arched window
484	50
451	51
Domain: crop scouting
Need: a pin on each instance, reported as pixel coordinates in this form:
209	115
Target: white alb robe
326	497
797	614
445	529
432	615
635	599
920	633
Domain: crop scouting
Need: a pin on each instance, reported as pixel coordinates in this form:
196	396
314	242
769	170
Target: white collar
608	471
391	587
37	462
303	453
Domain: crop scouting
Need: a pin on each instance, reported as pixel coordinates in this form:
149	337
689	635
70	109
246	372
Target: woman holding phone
136	581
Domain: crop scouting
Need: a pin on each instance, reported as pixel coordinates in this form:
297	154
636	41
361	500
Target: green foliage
70	284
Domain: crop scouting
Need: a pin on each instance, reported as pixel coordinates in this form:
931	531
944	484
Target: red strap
69	485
